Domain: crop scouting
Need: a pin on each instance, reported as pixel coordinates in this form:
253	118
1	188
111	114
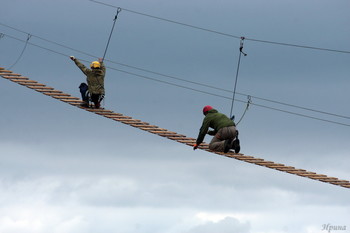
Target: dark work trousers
84	92
218	141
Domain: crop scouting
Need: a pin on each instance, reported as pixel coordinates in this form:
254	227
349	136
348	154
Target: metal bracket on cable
28	38
2	35
241	46
249	100
118	11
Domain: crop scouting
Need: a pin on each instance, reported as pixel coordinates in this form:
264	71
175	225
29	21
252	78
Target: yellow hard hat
95	64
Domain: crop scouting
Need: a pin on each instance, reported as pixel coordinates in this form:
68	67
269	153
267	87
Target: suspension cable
235	86
110	35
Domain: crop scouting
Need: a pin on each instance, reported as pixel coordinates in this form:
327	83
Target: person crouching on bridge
94	89
224	131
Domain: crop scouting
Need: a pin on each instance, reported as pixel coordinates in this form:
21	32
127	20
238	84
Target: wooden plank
244	157
71	100
112	115
278	165
168	133
264	163
16	76
12	78
317	176
8	73
150	128
295	171
285	169
34	86
136	124
184	141
156	131
133	121
179	136
45	89
254	160
53	94
99	111
24	81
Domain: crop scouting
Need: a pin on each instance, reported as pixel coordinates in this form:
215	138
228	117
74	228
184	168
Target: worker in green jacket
94	90
224	131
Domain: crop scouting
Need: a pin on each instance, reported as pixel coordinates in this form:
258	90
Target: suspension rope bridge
74	101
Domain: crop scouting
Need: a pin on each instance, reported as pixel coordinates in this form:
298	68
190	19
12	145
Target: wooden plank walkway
74	101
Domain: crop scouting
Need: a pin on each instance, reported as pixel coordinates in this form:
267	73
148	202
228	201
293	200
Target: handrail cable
222	33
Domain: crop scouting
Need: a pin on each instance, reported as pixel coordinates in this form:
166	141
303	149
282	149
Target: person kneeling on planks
224	131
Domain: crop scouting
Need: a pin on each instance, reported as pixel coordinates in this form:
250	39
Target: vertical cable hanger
109	39
249	101
110	35
20	56
237	72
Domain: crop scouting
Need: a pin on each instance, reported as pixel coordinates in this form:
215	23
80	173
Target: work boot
85	104
97	105
227	145
236	146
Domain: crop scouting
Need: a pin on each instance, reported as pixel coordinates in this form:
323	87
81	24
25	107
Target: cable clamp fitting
241	46
249	100
118	11
28	37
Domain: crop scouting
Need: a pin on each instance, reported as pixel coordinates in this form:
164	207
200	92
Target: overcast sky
66	170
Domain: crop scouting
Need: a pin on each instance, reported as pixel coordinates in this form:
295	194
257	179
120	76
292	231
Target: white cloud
226	225
216	217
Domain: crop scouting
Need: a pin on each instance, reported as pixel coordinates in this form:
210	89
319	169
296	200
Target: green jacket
214	120
95	77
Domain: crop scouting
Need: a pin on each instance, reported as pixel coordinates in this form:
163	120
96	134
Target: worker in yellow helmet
94	89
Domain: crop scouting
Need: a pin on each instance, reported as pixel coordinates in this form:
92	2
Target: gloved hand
195	146
72	58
